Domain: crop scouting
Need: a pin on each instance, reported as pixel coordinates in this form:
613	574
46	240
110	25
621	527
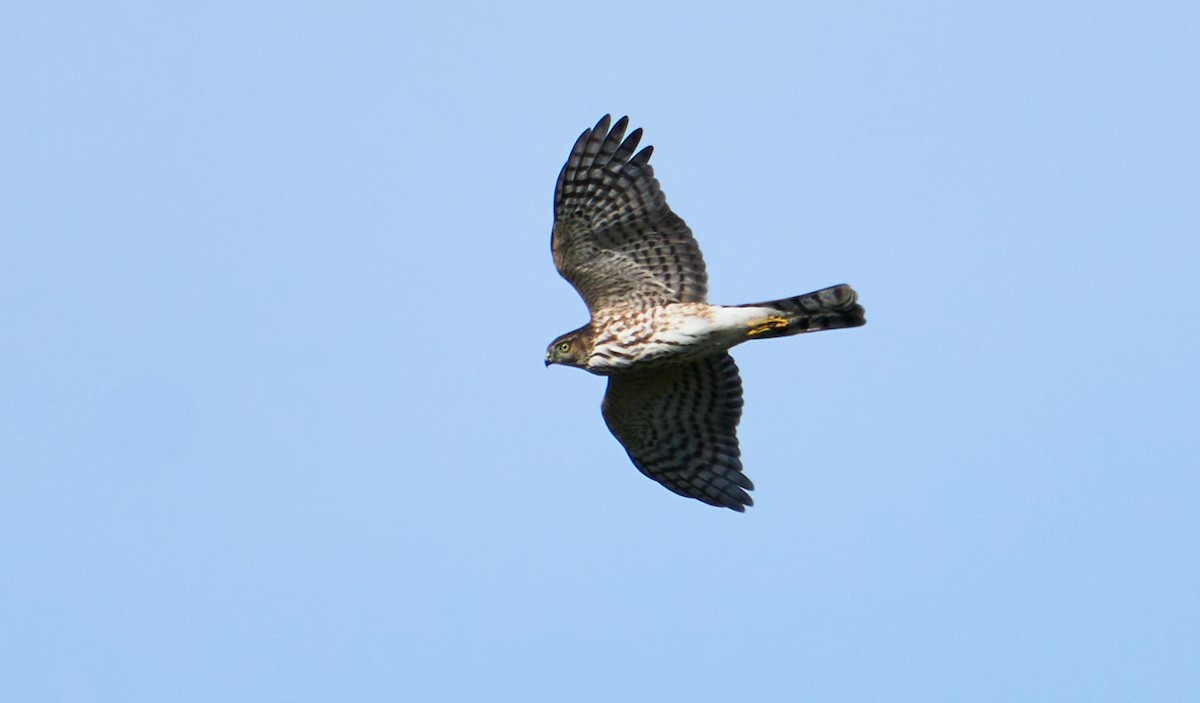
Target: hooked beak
548	362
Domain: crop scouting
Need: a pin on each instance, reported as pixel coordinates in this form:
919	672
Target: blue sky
275	286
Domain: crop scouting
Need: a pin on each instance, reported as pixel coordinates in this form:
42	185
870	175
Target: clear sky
275	287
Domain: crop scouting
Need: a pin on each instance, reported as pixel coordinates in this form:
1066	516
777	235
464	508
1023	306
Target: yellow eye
564	347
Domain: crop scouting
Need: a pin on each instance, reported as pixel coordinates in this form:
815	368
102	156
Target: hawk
674	395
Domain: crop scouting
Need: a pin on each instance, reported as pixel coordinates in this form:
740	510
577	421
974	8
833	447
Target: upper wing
615	239
678	422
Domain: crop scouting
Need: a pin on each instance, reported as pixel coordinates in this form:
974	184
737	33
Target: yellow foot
768	325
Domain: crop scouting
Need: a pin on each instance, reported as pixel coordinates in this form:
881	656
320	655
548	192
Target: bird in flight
674	395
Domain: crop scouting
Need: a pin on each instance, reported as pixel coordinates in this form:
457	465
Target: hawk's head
570	349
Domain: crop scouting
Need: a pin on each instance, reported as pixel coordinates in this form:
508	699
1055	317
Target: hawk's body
674	395
636	338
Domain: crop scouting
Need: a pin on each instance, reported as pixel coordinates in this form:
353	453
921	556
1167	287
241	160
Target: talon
768	325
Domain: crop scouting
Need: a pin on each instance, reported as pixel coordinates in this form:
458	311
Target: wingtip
739	500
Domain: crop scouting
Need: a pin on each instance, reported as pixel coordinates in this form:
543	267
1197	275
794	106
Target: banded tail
827	309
